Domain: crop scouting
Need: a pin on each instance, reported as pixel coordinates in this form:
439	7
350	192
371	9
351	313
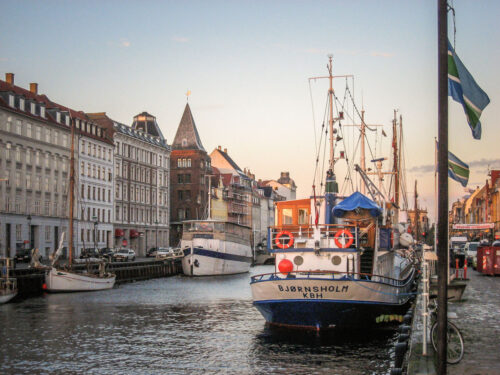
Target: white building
95	181
142	183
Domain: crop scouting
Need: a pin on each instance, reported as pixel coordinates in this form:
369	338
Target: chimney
9	78
225	150
34	88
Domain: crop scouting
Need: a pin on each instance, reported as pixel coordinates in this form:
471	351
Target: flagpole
442	228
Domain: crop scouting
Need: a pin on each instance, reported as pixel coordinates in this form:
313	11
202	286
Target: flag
463	89
457	169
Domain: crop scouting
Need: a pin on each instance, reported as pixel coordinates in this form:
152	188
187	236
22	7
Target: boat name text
313	291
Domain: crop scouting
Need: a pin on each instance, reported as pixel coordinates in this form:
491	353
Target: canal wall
30	280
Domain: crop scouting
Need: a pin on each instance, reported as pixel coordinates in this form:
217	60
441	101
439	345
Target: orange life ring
282	245
344	233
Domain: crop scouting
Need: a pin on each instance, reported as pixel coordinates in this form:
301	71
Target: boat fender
284	245
344	233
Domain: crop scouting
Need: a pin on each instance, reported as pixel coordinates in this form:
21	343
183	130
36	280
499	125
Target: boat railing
331	275
292	236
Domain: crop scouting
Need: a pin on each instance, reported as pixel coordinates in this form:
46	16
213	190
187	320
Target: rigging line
357	111
451	8
312	109
318	150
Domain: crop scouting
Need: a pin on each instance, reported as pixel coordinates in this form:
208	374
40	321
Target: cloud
381	54
125	43
180	39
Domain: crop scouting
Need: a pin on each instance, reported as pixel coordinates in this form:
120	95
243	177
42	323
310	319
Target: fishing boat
215	247
337	259
8	285
67	279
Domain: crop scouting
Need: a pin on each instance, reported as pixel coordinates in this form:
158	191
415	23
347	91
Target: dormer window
11	100
78	124
33	108
67	120
184	142
42	111
58	116
21	104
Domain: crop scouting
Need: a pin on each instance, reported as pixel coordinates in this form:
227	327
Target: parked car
22	255
151	252
106	252
164	252
124	255
471	253
89	253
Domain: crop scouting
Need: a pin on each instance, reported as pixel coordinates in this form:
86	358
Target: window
28	157
28	181
37	158
83	191
303	216
46	208
18	179
82	168
38	132
181	214
19	127
37	207
47	183
56	137
83	147
28	130
18	232
7	151
189	163
18	154
287	217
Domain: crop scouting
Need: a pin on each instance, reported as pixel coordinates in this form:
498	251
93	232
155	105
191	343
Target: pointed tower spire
187	136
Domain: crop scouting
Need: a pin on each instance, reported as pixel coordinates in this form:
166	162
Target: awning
134	233
119	233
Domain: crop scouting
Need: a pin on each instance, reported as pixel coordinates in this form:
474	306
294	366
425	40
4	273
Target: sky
248	64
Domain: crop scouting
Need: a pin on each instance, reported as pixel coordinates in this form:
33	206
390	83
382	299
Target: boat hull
6	297
64	281
326	303
205	262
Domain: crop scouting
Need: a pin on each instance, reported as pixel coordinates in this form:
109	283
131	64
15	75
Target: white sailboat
58	279
8	285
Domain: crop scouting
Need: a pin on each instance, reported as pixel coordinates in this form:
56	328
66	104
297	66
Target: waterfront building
237	187
34	169
142	183
94	184
284	186
268	198
190	170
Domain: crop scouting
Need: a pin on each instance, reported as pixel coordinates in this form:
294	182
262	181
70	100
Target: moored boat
213	247
337	262
8	285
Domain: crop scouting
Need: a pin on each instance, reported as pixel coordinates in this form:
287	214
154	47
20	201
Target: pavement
478	318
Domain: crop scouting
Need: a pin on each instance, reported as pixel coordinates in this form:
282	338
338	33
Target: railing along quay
30	280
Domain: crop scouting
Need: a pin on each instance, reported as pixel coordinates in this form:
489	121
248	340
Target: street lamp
94	218
29	231
156	222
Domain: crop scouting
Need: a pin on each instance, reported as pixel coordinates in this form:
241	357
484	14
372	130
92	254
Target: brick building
190	168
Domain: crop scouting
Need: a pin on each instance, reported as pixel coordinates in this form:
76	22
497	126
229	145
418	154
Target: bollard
465	269
456	268
403	337
403	328
400	350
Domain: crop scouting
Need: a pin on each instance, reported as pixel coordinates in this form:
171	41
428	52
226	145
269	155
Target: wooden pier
30	281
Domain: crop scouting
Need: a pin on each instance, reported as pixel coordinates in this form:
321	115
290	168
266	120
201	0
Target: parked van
471	253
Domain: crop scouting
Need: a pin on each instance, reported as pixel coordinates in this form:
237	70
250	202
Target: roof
187	136
230	161
103	119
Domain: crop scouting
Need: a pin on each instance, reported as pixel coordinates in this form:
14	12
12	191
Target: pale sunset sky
247	65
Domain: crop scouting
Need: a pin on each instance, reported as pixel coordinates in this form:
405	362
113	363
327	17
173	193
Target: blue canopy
356	201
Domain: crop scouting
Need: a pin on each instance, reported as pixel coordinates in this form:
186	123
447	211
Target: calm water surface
175	325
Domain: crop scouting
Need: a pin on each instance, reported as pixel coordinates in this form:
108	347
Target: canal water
175	325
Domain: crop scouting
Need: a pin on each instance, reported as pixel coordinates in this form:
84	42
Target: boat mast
330	94
396	160
363	161
71	189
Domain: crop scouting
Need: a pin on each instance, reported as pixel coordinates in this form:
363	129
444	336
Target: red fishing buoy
44	286
285	266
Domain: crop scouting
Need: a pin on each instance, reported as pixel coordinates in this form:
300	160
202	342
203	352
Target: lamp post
29	231
156	223
94	218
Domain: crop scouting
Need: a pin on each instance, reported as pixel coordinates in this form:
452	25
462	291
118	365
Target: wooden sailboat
8	285
59	279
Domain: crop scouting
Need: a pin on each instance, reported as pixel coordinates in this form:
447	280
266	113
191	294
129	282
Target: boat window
204	227
303	216
287	217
